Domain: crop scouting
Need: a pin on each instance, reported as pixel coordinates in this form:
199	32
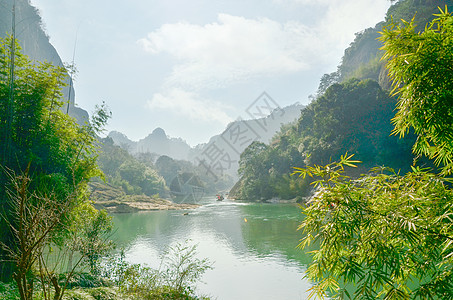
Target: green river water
252	246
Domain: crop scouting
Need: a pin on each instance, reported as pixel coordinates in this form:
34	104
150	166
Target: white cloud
340	19
347	17
234	49
306	2
188	104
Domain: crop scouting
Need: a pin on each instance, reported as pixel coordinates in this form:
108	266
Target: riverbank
114	200
297	200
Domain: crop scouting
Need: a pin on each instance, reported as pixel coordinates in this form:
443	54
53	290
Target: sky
191	67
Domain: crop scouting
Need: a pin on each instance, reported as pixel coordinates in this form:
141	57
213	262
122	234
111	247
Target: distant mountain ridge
222	153
230	143
156	142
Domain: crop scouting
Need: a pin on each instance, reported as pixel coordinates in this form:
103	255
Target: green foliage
85	280
350	117
9	291
141	178
90	235
78	295
420	66
422	10
263	170
103	293
168	168
137	175
39	132
46	163
99	293
179	172
353	116
40	251
372	69
128	173
31	221
180	269
389	235
36	133
85	286
361	58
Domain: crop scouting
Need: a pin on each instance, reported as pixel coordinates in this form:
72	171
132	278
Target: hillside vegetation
351	117
141	178
351	113
362	59
387	234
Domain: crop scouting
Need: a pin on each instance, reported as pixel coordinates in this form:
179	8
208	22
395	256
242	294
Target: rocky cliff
362	59
35	44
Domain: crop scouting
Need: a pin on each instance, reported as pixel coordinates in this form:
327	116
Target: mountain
160	143
220	156
362	59
120	139
351	117
351	113
157	142
36	45
222	153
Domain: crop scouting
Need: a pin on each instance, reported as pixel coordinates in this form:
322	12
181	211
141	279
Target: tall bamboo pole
10	103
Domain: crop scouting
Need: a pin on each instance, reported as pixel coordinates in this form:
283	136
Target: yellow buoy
245	220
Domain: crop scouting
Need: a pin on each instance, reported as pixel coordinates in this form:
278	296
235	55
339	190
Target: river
252	246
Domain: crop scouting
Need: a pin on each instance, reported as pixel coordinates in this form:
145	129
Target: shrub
8	291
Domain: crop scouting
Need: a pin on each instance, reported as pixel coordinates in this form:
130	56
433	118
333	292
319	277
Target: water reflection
253	259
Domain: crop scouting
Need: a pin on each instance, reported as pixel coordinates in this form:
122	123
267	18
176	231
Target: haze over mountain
351	113
221	153
156	142
191	68
362	59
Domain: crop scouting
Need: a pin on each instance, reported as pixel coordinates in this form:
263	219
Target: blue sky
191	67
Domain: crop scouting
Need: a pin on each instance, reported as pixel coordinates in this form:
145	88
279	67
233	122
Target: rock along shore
114	200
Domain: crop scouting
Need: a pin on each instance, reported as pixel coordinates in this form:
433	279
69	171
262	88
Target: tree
254	168
391	235
179	270
326	81
56	157
168	168
353	116
420	65
33	221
